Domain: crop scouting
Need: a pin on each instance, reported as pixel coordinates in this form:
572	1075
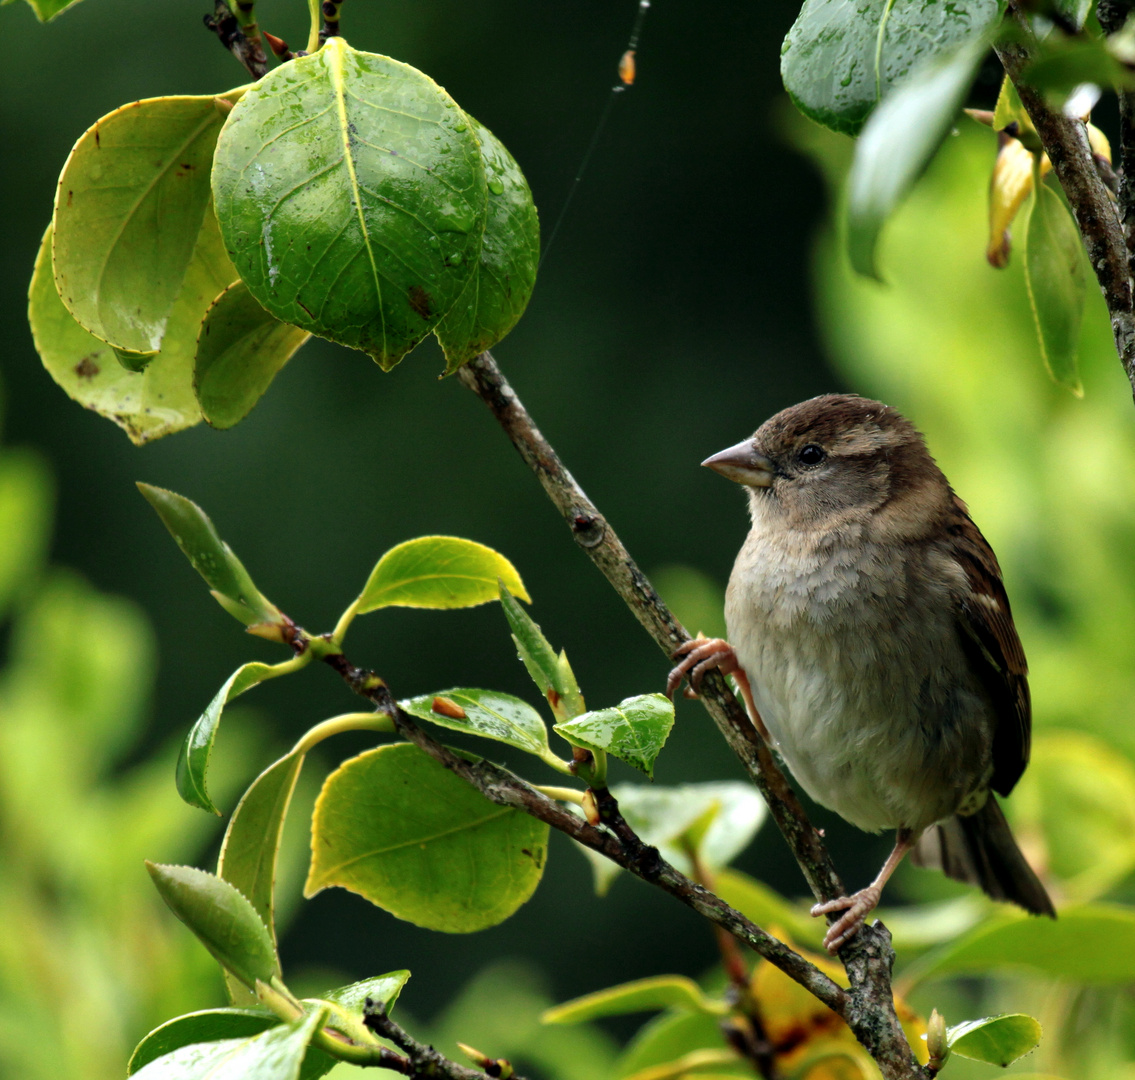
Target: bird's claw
855	910
699	655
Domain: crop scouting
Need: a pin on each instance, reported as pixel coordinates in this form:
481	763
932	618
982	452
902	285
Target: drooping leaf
401	830
208	1025
488	713
1054	274
438	572
361	220
898	143
999	1040
128	212
240	348
497	292
159	400
223	919
275	1054
211	557
197	749
842	57
552	674
642	995
634	731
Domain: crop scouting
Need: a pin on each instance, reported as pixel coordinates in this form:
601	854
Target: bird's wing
993	647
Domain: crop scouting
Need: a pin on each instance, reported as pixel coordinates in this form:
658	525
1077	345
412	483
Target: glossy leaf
381	988
211	557
223	919
488	713
552	674
197	749
1054	274
498	291
361	220
898	143
129	208
842	57
208	1025
159	400
634	731
1009	109
275	1054
438	572
999	1040
401	830
46	10
667	1038
1091	944
642	995
240	348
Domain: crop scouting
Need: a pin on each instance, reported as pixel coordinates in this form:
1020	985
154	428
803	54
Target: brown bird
870	634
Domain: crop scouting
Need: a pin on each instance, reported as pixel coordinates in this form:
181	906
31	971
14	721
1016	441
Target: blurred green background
695	288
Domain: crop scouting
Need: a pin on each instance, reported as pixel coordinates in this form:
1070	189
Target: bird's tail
980	849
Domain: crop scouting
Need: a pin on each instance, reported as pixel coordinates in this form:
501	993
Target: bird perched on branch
871	636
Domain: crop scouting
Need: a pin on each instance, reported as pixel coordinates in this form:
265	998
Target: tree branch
1066	143
1112	14
868	956
226	26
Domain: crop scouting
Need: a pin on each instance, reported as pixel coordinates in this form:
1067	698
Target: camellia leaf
438	572
197	749
401	830
642	995
139	173
212	558
552	674
382	989
208	1025
488	713
898	143
145	405
842	57
222	918
1054	274
634	731
498	291
999	1040
275	1054
240	349
362	220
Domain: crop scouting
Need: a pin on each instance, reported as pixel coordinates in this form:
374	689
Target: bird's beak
743	465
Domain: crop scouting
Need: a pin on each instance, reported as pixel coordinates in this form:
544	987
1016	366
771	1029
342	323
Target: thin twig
868	956
224	24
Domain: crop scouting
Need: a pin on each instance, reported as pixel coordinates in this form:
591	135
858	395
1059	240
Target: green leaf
46	10
488	713
239	351
898	143
1054	274
159	400
552	674
361	221
275	1054
438	572
138	173
211	557
401	830
498	291
25	522
208	1025
999	1040
381	988
1009	109
1092	944
642	995
669	1037
841	57
222	918
197	749
634	731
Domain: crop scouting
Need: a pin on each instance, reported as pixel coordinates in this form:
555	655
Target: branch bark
224	23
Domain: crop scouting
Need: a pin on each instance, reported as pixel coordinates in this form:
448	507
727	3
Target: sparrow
872	640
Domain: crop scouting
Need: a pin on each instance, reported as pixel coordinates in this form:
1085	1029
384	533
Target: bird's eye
811	455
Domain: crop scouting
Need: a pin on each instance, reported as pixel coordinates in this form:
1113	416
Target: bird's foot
700	655
855	910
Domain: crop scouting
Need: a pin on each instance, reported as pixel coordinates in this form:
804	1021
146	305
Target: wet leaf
240	348
361	220
382	988
488	713
438	572
208	1025
634	731
402	831
999	1040
552	674
222	918
642	995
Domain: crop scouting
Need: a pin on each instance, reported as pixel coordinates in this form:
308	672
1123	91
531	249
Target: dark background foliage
670	319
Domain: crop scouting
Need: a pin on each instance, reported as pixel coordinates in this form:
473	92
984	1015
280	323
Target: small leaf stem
549	758
562	794
356	721
245	12
344	623
313	8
